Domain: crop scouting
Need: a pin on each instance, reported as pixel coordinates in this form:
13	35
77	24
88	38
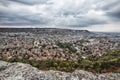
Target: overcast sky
93	15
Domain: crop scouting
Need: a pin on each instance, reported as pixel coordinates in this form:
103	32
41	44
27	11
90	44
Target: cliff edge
20	71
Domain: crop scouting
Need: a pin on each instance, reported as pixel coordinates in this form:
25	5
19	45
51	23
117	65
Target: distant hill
48	30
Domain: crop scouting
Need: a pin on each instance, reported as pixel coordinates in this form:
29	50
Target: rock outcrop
20	71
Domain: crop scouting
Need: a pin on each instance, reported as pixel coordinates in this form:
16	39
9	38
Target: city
56	44
59	39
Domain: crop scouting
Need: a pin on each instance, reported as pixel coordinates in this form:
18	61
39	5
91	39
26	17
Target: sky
93	15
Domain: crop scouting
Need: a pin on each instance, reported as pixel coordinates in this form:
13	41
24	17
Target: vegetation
110	62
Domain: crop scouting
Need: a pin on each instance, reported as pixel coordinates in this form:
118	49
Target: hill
48	31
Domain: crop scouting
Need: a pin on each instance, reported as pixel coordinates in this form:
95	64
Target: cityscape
61	49
59	40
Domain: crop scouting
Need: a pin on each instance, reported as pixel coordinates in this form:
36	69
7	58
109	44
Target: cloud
114	14
18	19
63	13
30	2
112	27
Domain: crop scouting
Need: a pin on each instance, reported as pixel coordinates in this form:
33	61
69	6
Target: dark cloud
66	13
81	22
112	10
4	3
30	2
13	19
114	15
110	5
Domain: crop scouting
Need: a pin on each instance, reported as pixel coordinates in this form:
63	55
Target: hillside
48	31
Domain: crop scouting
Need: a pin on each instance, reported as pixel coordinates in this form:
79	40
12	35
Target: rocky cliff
20	71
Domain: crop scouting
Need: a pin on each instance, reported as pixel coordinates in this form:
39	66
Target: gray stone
20	71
